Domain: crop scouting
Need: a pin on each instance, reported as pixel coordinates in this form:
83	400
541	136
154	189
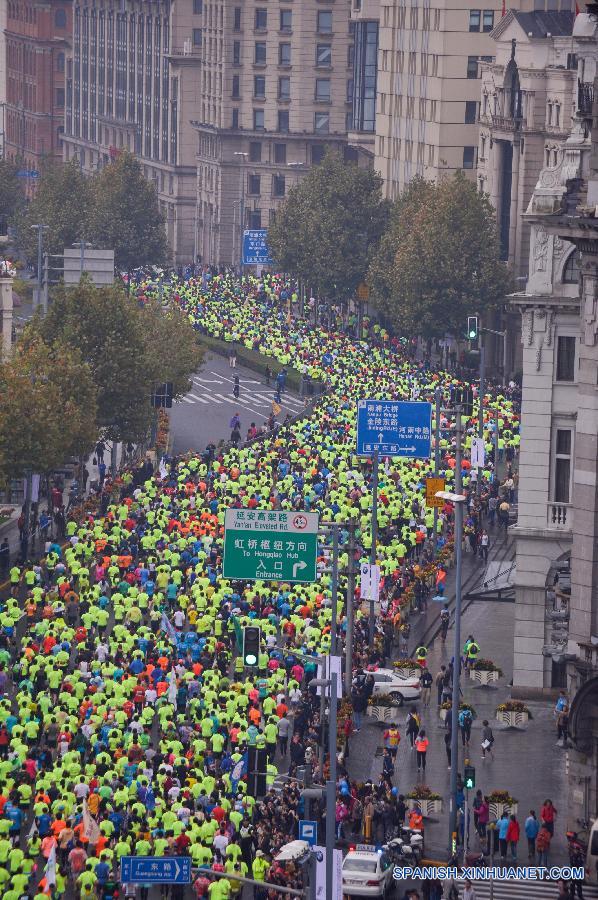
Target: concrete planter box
444	714
483	677
428	807
412	672
384	713
497	809
512	719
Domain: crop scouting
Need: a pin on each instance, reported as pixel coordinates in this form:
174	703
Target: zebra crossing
214	388
519	890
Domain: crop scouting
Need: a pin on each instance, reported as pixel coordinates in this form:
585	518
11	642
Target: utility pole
244	155
481	410
333	624
350	610
437	412
457	645
40	246
331	789
376	459
81	244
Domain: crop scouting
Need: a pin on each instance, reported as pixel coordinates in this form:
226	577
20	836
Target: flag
504	7
163	469
50	869
172	687
276	408
167	626
577	9
90	826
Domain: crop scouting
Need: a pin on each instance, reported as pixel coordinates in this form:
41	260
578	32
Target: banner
90	826
433	485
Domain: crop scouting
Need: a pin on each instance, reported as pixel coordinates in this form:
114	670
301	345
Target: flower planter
483	677
497	809
428	807
444	714
384	713
512	719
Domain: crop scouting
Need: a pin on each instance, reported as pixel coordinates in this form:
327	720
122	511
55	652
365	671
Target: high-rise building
3	13
276	90
556	582
365	16
430	61
132	83
37	39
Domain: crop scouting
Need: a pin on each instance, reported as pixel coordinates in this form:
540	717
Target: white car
399	687
367	873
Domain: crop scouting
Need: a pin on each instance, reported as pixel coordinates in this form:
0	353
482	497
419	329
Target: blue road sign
308	831
255	248
394	428
155	870
27	173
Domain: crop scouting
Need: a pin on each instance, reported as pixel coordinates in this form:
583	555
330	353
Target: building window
324	55
286	19
483	147
572	270
284	54
284	87
365	77
60	62
255	218
254	185
323	90
197	37
60	18
236	85
255	151
278	186
321	122
60	98
237	19
235	118
488	20
283	120
280	154
472	67
565	358
324	21
557	114
563	443
471	112
468	157
197	7
259	87
258	119
259	56
236	53
261	19
317	154
350	91
475	17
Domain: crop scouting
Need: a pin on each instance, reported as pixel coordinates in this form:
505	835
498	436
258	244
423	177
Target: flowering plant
487	665
423	792
501	797
448	705
7	268
514	706
406	664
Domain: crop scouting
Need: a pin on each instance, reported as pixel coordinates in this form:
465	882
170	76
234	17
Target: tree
126	215
11	192
62	201
129	350
47	407
329	225
439	261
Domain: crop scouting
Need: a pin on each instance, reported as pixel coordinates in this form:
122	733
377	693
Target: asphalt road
204	414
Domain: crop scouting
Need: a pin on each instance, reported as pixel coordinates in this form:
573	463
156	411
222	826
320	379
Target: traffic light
467	401
469	778
472	328
251	646
162	396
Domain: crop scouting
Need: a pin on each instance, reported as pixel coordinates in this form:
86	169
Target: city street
203	415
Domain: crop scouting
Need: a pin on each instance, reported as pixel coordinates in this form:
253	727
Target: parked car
367	873
398	686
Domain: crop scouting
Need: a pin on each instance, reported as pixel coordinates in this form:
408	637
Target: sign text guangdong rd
270	545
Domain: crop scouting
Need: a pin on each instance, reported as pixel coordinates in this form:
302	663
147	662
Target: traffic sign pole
372	620
437	402
481	411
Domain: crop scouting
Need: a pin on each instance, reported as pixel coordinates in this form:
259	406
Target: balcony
560	516
585	98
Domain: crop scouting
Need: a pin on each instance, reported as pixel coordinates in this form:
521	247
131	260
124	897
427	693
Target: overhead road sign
270	545
394	428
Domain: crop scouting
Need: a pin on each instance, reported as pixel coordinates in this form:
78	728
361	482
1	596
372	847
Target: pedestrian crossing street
215	389
520	890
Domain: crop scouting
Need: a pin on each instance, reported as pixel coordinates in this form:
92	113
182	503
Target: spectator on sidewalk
513	833
503	827
543	845
532	827
547	816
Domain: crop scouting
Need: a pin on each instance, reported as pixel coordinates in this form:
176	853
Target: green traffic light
472	335
250	659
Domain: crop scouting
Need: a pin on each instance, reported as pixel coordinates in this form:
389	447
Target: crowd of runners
126	712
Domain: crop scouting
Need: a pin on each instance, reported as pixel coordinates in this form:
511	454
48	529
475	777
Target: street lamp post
82	245
40	246
458	499
244	156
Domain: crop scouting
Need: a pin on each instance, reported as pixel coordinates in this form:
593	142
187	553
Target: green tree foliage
47	407
11	191
62	202
439	260
329	225
128	348
125	215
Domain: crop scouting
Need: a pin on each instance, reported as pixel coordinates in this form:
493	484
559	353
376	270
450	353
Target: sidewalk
527	762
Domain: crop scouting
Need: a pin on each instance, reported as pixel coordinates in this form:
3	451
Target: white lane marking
185	400
241	380
199	399
240	402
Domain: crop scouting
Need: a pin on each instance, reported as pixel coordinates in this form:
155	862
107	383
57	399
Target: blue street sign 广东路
155	870
308	831
255	247
394	428
27	173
